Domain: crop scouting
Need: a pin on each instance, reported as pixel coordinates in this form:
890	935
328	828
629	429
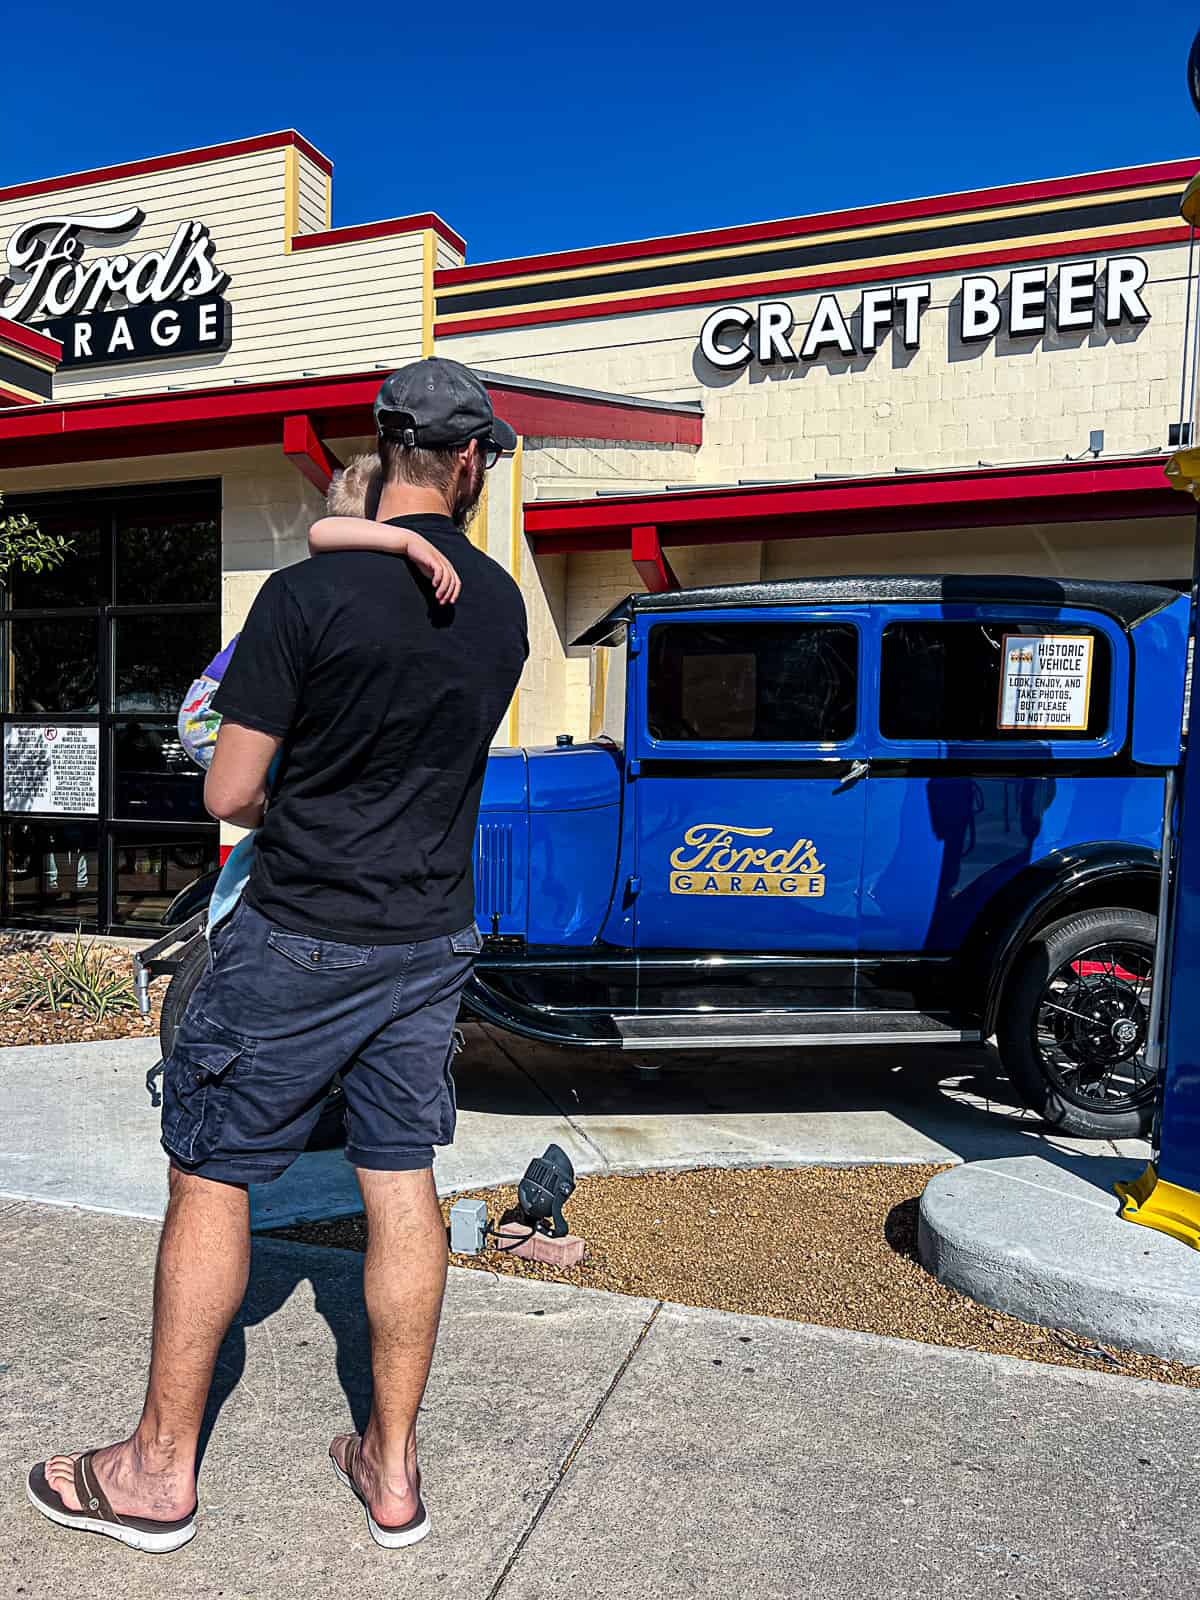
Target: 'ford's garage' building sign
117	307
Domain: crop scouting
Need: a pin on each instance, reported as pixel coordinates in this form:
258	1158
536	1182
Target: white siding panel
341	307
312	197
445	255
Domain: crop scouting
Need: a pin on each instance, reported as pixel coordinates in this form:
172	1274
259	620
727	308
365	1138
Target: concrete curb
1043	1240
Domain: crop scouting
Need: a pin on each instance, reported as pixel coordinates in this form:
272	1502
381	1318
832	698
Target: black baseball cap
437	403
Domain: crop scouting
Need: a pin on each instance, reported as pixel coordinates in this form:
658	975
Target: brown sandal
390	1537
98	1516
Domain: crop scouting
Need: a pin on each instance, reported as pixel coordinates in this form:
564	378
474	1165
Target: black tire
1072	1038
179	991
330	1130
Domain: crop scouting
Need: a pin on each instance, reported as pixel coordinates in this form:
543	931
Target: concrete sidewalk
582	1443
79	1129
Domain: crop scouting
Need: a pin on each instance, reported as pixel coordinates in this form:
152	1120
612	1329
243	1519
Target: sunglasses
490	451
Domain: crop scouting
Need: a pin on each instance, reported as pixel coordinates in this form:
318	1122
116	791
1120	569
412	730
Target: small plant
75	977
24	545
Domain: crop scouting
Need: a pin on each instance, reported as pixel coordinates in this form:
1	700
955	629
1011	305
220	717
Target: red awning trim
303	447
650	560
237	415
984	497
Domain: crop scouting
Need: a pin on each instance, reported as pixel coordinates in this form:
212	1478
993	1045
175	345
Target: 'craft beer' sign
1030	303
114	307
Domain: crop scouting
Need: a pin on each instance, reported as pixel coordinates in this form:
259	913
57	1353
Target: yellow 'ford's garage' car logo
713	860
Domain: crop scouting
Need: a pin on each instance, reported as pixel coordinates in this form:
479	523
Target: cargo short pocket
318	955
197	1086
449	1113
467	941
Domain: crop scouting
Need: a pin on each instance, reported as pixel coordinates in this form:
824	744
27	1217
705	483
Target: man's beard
466	499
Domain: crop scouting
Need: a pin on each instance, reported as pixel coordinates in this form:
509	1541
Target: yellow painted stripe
27	358
291	196
428	306
599	689
478	531
715	252
26	394
796	277
516	547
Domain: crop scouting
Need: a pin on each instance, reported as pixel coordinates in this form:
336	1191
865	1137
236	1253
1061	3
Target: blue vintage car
895	810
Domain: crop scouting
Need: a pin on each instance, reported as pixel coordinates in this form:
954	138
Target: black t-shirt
387	703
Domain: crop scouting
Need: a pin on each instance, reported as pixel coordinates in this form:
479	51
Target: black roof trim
1126	603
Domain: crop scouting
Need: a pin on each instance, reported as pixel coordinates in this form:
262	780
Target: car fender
194	897
1079	876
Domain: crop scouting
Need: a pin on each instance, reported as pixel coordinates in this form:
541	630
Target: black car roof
1126	603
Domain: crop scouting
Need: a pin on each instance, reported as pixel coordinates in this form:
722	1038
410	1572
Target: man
347	953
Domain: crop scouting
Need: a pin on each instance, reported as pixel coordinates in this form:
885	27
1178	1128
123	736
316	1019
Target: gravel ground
65	1027
830	1245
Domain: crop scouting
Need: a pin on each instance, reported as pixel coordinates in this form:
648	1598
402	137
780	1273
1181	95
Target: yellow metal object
1189	206
1155	1203
1183	471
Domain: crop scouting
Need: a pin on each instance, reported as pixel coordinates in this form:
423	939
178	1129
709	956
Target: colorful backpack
198	722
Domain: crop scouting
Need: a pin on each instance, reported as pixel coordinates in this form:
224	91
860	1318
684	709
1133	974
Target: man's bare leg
404	1278
199	1283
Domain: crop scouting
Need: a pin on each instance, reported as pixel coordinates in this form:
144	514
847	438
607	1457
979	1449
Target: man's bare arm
235	789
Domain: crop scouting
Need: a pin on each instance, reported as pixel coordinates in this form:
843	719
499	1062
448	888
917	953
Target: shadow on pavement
275	1275
958	1099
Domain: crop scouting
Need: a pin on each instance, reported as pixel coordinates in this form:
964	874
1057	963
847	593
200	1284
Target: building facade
978	382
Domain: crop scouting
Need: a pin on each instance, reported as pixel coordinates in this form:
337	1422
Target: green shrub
74	977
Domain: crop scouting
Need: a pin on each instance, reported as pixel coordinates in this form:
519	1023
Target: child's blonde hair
355	491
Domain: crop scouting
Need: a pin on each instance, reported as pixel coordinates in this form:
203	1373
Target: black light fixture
549	1182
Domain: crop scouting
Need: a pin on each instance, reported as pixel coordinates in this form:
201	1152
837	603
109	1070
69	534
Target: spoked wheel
1074	1030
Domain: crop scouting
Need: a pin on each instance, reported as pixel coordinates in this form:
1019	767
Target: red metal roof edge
16	336
355	231
789	283
862	216
165	163
553	411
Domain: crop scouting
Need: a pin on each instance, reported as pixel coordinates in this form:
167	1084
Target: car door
748	809
969	781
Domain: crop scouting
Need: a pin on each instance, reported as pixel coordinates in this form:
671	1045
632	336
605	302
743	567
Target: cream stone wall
940	406
565	469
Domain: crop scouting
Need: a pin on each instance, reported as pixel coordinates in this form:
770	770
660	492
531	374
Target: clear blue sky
540	127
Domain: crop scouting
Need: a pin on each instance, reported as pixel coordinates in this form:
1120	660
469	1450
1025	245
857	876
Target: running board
762	1030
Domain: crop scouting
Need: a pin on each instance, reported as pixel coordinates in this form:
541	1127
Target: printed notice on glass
52	770
1047	679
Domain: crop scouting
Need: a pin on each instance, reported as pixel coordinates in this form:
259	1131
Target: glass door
102	819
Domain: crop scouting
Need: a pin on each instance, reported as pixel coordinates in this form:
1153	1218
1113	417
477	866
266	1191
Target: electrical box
468	1224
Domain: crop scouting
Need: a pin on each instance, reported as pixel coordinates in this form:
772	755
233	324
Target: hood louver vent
494	870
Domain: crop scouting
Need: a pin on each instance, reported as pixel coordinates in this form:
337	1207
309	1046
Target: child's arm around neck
357	533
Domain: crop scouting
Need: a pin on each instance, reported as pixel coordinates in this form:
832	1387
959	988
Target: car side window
957	682
753	682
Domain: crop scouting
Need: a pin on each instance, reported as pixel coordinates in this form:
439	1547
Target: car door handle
858	771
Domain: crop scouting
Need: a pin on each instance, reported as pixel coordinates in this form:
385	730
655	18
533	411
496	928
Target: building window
103	819
941	681
750	682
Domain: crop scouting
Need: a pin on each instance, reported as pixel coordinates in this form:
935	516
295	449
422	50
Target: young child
350	505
